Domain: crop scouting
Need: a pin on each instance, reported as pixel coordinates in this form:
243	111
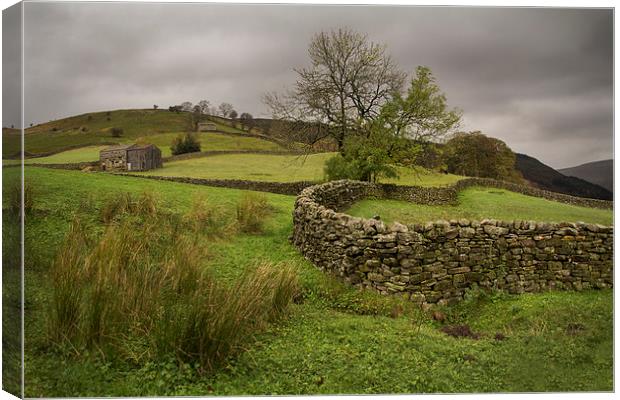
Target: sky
539	79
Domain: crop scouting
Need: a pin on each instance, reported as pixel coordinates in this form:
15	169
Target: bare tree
204	106
343	90
186	106
226	109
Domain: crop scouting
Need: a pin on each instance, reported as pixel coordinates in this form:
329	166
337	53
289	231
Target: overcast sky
539	79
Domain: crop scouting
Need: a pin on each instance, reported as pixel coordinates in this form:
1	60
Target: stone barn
130	157
206	127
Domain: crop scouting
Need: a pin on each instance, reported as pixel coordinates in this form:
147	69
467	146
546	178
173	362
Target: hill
598	172
545	177
94	129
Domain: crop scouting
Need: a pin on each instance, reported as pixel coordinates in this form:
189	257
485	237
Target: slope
545	177
598	172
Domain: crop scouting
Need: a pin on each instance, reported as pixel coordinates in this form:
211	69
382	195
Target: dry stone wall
436	262
289	188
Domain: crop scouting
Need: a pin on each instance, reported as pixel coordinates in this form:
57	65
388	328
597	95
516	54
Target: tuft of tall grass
252	211
220	320
140	290
208	219
68	282
15	198
119	204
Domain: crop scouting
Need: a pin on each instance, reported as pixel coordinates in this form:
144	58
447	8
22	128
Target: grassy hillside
94	129
481	203
335	339
282	168
208	141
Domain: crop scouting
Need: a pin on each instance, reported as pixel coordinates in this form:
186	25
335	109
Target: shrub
338	168
185	143
116	132
252	210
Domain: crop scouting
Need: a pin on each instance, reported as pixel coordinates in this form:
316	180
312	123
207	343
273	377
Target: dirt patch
460	331
574	328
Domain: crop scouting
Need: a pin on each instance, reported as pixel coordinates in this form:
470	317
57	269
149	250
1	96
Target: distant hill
93	129
545	177
598	172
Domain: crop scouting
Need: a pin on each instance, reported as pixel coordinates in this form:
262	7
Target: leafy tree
186	106
475	154
225	109
397	134
233	115
155	106
185	143
422	113
175	109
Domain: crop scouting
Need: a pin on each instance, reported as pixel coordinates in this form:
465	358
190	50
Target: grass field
94	129
208	141
481	203
282	168
335	339
215	141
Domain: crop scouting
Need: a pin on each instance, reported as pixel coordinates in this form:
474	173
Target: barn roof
119	147
141	146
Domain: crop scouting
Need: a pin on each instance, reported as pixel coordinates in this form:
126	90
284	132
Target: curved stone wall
436	262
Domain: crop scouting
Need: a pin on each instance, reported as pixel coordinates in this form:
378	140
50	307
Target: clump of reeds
142	283
208	219
252	211
120	204
15	198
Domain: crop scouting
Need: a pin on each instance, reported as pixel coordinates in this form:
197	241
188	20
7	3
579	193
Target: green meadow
283	168
331	339
482	203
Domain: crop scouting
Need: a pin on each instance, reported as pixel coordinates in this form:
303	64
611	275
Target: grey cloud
539	79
